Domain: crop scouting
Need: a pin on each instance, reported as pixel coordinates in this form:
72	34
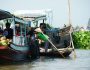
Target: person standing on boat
41	35
33	43
1	32
8	32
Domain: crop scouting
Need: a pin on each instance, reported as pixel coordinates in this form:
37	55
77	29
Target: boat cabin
18	26
35	16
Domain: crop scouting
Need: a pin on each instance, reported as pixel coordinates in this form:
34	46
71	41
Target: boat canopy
35	16
29	13
32	14
5	14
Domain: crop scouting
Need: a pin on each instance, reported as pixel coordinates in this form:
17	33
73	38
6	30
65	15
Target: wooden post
69	10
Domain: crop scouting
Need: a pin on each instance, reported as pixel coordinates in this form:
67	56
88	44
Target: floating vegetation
81	39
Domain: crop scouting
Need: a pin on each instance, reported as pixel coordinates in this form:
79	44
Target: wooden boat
11	54
61	43
14	51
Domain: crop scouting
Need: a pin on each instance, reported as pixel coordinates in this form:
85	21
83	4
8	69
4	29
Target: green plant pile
81	39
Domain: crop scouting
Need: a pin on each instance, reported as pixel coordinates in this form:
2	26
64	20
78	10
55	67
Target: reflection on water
82	62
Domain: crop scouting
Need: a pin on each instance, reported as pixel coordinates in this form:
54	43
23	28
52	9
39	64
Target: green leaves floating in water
81	39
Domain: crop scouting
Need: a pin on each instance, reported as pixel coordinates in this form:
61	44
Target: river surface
81	62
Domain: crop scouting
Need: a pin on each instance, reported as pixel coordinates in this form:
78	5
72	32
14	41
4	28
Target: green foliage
81	39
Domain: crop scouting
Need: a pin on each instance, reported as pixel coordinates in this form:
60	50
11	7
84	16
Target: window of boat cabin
20	32
17	29
20	29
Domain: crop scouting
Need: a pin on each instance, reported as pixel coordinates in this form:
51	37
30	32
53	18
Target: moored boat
61	43
18	48
60	40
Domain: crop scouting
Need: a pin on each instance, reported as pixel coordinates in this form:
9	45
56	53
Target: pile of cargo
4	41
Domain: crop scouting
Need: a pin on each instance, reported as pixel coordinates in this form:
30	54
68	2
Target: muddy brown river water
82	62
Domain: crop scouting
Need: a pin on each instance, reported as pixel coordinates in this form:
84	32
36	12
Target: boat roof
5	14
29	13
32	14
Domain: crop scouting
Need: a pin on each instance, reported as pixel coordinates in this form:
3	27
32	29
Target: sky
80	9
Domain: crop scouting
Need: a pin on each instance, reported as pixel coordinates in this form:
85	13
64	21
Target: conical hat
38	30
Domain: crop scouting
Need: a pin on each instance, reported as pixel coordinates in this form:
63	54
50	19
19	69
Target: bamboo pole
54	46
69	14
69	9
72	43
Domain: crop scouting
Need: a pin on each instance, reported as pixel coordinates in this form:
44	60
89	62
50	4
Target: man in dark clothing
34	46
43	27
1	31
8	32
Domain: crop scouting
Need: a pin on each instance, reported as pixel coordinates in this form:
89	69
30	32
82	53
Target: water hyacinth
81	39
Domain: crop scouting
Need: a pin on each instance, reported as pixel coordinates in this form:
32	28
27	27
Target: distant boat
88	26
